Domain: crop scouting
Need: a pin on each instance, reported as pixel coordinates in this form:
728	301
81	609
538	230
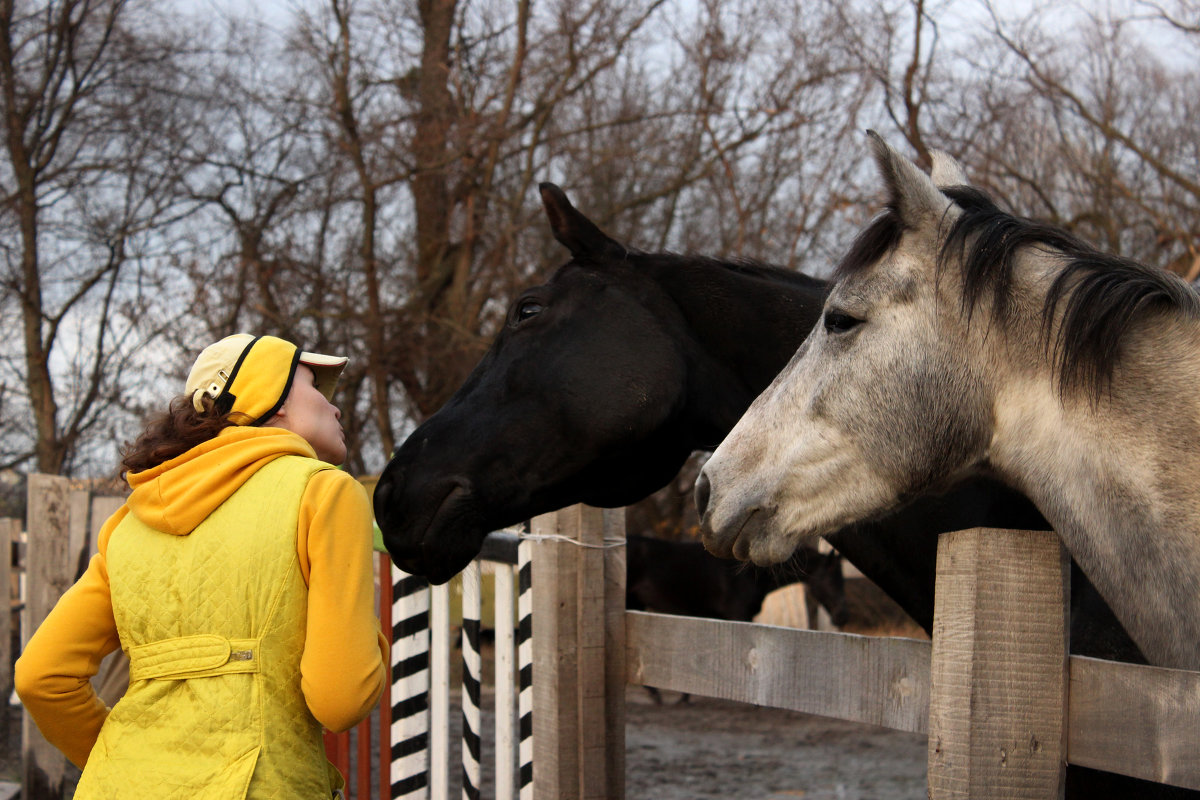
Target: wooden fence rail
993	669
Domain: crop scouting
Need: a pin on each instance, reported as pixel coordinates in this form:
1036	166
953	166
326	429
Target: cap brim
326	371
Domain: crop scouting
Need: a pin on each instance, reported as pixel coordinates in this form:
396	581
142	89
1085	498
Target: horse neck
1115	477
744	324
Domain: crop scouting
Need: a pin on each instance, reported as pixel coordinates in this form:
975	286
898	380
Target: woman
238	579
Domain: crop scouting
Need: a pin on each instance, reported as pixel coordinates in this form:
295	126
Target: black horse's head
579	399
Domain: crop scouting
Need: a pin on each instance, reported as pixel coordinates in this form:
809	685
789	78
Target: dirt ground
717	749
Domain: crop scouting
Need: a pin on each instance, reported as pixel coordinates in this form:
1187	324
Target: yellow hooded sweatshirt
343	653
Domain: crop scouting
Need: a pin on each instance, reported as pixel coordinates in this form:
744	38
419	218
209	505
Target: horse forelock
1101	295
872	244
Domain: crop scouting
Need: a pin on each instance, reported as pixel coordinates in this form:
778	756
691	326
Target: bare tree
363	178
1111	115
440	119
1067	115
81	200
439	124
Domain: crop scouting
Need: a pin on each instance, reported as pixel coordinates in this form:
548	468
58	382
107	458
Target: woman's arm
54	671
343	669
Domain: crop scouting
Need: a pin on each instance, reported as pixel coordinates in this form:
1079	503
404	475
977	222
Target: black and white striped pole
525	667
471	662
409	750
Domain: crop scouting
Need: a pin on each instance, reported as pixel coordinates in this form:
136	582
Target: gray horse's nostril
703	490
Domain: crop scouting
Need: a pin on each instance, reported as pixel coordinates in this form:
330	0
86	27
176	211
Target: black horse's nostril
703	489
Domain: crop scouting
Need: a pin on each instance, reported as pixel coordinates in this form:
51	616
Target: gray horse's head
882	401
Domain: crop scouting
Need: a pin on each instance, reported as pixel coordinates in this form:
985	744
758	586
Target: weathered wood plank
113	678
590	610
79	501
875	680
1136	720
998	692
103	507
9	529
555	666
49	571
614	651
577	746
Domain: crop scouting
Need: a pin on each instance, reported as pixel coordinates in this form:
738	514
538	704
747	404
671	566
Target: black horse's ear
573	230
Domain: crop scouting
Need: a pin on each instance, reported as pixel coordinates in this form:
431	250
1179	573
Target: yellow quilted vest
213	623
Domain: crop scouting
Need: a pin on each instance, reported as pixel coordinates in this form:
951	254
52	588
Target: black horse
606	378
598	387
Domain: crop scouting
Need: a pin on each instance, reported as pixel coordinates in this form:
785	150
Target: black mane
742	266
1102	295
758	269
638	260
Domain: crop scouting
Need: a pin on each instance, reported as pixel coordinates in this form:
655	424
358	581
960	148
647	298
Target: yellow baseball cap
250	376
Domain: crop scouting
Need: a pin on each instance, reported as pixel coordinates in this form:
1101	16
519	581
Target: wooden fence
1004	705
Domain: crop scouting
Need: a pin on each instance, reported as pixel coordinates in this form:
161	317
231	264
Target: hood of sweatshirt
177	495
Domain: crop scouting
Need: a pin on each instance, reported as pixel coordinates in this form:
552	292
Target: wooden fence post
112	680
9	528
579	659
998	695
49	571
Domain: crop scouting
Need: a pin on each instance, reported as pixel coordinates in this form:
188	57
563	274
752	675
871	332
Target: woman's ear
278	418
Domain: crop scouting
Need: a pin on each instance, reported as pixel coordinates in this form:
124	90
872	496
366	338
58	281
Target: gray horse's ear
573	230
946	171
910	191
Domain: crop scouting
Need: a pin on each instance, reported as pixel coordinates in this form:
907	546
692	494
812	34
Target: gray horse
958	339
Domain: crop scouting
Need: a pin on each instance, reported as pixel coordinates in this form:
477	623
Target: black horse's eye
840	322
527	309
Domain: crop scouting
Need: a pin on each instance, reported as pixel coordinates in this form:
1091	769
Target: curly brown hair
172	433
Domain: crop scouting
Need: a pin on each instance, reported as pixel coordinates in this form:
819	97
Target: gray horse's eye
840	322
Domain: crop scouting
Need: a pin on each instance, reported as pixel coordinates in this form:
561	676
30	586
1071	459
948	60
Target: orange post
385	702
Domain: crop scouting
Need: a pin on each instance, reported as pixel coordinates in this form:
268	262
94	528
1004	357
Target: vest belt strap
198	656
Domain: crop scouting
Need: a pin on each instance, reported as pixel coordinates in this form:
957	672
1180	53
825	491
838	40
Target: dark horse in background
681	577
605	379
